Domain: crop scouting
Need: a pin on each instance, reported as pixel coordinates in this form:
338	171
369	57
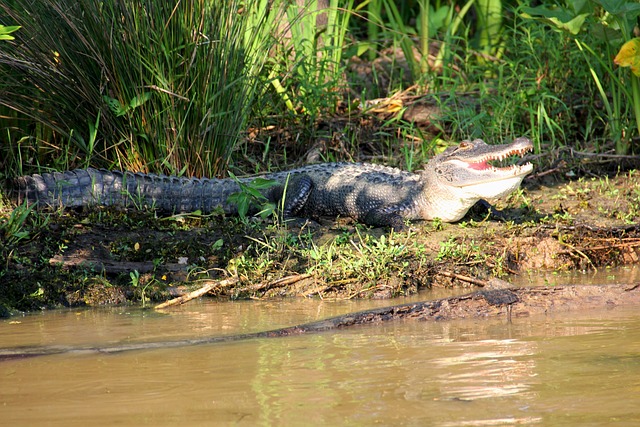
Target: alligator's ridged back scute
164	193
85	187
54	189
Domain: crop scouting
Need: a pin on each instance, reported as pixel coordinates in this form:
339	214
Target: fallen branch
283	281
573	249
462	278
623	245
111	266
198	293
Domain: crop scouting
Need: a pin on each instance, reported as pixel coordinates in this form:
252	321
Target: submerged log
509	303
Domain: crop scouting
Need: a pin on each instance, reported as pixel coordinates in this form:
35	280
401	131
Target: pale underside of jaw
492	190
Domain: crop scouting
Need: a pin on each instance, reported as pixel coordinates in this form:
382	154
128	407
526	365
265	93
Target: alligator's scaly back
376	195
86	187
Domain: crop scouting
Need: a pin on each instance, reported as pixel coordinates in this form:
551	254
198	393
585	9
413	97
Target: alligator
450	184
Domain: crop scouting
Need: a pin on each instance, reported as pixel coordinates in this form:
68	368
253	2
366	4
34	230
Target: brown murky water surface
575	369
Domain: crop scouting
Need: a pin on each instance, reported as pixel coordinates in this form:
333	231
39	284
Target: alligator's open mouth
492	162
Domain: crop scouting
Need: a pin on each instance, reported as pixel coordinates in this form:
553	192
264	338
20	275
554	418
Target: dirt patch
109	256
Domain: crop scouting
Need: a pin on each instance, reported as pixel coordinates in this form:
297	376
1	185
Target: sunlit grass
151	86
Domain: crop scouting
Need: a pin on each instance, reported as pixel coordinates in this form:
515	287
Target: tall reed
147	85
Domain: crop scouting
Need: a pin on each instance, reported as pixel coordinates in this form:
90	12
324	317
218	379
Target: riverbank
99	255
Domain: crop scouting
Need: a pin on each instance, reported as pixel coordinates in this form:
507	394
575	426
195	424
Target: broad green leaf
115	106
217	244
626	8
267	210
439	16
243	207
253	192
629	56
541	11
6	30
560	18
262	183
573	26
581	6
139	100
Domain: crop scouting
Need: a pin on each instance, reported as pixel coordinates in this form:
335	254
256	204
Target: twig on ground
283	281
573	249
198	293
467	279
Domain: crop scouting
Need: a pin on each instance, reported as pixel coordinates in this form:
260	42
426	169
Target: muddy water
573	369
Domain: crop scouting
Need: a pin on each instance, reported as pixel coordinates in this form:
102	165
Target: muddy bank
106	256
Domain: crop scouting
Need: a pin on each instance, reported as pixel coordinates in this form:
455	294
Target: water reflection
488	368
573	369
568	370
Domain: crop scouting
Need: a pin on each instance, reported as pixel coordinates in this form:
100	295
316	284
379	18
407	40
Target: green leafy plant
5	31
134	276
87	146
365	258
14	226
250	198
596	26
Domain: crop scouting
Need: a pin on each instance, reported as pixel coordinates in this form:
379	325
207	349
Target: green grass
150	87
146	87
599	28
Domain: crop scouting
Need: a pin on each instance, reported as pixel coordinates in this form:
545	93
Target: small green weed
14	227
139	288
249	197
450	249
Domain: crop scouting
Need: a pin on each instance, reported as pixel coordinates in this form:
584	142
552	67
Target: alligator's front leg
296	194
486	208
384	217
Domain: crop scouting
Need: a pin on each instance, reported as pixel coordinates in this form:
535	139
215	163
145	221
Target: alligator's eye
465	145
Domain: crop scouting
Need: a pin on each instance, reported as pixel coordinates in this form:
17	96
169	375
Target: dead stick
600	248
467	279
197	293
283	281
289	280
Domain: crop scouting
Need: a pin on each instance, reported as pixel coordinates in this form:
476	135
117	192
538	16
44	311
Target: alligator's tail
84	187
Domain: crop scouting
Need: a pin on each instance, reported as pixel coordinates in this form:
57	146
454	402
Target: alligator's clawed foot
482	207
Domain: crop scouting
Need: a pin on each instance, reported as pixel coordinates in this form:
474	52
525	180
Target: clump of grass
597	28
306	69
528	90
360	257
351	264
146	86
